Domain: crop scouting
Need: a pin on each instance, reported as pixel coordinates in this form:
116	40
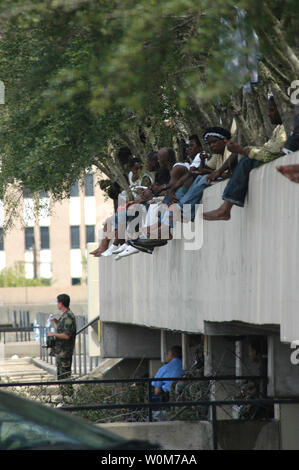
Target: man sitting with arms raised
189	193
236	189
216	138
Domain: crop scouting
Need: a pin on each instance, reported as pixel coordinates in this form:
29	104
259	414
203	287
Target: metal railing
21	333
20	328
82	362
93	361
150	406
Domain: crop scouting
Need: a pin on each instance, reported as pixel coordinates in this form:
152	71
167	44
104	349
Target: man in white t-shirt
196	153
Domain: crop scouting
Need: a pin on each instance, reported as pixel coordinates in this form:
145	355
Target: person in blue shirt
172	368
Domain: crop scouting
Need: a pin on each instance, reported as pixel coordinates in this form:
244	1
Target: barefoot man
237	187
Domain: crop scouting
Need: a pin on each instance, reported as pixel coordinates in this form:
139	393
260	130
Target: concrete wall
283	375
130	342
289	423
93	300
246	271
28	348
197	435
15	296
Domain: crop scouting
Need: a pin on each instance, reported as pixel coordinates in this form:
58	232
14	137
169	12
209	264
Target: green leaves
82	77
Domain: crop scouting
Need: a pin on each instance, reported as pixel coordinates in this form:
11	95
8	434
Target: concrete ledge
24	348
246	271
31	296
51	369
197	435
173	435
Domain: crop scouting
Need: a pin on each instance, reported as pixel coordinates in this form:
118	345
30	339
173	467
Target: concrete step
22	370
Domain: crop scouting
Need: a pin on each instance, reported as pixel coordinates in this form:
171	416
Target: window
89	233
44	238
75	236
89	184
76	281
1	240
75	190
29	238
43	194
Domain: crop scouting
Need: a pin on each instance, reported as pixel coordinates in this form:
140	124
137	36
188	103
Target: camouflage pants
64	371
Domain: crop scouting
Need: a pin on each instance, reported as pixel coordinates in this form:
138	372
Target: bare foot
97	254
93	252
217	214
290	171
103	247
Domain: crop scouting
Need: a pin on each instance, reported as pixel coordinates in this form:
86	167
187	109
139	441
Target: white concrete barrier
247	269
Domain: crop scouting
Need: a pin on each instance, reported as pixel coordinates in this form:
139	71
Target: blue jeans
180	192
191	197
120	218
194	194
236	189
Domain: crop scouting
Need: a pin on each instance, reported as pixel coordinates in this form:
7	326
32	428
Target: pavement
22	370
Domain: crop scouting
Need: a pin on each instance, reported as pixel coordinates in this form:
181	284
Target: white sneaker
123	247
129	251
110	250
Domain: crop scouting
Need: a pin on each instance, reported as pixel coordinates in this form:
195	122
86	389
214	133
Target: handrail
157	405
136	380
13	329
87	325
16	329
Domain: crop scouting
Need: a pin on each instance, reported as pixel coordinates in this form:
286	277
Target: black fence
20	329
151	406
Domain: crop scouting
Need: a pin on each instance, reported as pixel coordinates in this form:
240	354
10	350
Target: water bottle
49	325
36	331
47	328
52	324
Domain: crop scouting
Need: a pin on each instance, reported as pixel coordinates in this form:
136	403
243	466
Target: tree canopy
87	76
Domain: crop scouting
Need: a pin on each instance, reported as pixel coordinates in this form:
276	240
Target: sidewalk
22	370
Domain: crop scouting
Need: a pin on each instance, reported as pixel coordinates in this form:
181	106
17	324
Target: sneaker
151	243
136	244
123	247
128	252
112	248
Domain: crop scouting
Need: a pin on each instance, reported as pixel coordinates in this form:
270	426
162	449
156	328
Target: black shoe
151	243
136	244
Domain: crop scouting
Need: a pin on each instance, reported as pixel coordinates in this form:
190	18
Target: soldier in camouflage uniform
65	341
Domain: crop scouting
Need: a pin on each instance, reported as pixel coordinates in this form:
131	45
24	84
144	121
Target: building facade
52	244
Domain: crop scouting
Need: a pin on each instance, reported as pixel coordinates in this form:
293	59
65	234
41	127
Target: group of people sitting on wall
167	191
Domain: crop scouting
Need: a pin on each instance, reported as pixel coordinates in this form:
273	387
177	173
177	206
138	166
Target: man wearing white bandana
236	189
216	138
